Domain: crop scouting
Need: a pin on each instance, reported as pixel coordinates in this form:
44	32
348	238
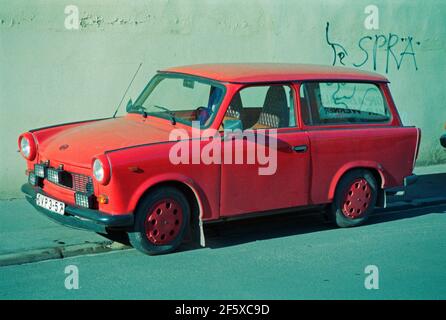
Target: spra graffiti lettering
397	51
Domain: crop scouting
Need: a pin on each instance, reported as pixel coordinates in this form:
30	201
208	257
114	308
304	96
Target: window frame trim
176	75
379	85
291	85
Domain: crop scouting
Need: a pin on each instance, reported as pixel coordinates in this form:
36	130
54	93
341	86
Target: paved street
292	257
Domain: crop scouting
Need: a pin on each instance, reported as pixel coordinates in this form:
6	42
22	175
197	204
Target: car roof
274	72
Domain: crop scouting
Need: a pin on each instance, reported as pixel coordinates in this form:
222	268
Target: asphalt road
282	257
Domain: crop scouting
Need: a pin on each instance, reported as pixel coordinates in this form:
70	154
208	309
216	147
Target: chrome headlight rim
27	146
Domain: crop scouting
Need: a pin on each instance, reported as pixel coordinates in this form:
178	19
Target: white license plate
50	204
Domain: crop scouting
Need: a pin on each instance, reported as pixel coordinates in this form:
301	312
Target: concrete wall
50	74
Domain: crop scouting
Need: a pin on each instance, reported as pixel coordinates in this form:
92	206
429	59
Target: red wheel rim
357	199
164	221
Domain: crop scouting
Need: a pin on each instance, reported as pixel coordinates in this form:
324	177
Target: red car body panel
289	188
88	139
137	149
340	150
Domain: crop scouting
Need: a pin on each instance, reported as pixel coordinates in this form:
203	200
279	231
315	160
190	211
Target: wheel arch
375	168
184	188
195	195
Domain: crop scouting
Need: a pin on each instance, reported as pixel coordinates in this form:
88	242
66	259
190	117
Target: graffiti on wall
381	51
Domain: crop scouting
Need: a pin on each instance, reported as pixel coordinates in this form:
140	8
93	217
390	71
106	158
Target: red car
307	136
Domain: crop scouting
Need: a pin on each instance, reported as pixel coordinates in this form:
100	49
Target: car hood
78	145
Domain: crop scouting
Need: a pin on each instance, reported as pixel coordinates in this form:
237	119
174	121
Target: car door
274	171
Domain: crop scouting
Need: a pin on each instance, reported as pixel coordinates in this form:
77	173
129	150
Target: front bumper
80	218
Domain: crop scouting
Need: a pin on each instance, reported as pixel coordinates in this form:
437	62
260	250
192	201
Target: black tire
143	238
347	215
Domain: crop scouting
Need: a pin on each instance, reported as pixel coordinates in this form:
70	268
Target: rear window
343	103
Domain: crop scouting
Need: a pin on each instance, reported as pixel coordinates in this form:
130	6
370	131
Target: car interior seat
275	112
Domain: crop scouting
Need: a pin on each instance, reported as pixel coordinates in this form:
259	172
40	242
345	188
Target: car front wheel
355	198
161	221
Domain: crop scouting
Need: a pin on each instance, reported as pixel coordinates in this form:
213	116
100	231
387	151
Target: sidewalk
28	236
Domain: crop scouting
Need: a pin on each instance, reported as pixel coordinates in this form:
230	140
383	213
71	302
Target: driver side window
187	99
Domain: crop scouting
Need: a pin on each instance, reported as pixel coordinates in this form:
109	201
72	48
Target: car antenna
125	93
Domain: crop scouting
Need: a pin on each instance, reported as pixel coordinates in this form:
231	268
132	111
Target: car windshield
180	98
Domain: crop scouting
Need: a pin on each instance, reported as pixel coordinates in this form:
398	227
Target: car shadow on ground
290	224
257	229
232	233
427	186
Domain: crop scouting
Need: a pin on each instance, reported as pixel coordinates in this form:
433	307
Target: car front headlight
101	169
25	147
98	170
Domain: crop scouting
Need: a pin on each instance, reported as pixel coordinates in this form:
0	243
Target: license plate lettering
50	204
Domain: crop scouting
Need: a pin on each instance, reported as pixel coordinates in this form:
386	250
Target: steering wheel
202	114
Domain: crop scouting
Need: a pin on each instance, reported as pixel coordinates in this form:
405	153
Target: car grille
76	182
82	183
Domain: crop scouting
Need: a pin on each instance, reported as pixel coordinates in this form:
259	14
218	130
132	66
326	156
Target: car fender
200	195
203	203
355	165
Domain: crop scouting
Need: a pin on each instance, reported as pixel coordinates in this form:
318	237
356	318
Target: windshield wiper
137	109
143	110
170	113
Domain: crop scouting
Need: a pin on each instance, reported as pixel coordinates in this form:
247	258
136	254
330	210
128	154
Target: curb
62	252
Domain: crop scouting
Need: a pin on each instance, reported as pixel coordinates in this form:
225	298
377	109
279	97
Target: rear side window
343	103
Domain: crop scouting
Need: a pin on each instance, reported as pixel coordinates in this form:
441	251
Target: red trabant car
307	136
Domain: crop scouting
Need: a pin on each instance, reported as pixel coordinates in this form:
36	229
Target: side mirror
443	140
233	125
129	105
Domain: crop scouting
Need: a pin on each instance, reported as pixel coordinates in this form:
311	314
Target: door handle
300	149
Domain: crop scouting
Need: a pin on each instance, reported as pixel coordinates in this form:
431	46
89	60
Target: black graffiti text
381	50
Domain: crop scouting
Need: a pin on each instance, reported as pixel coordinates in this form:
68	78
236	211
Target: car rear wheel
355	198
161	221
